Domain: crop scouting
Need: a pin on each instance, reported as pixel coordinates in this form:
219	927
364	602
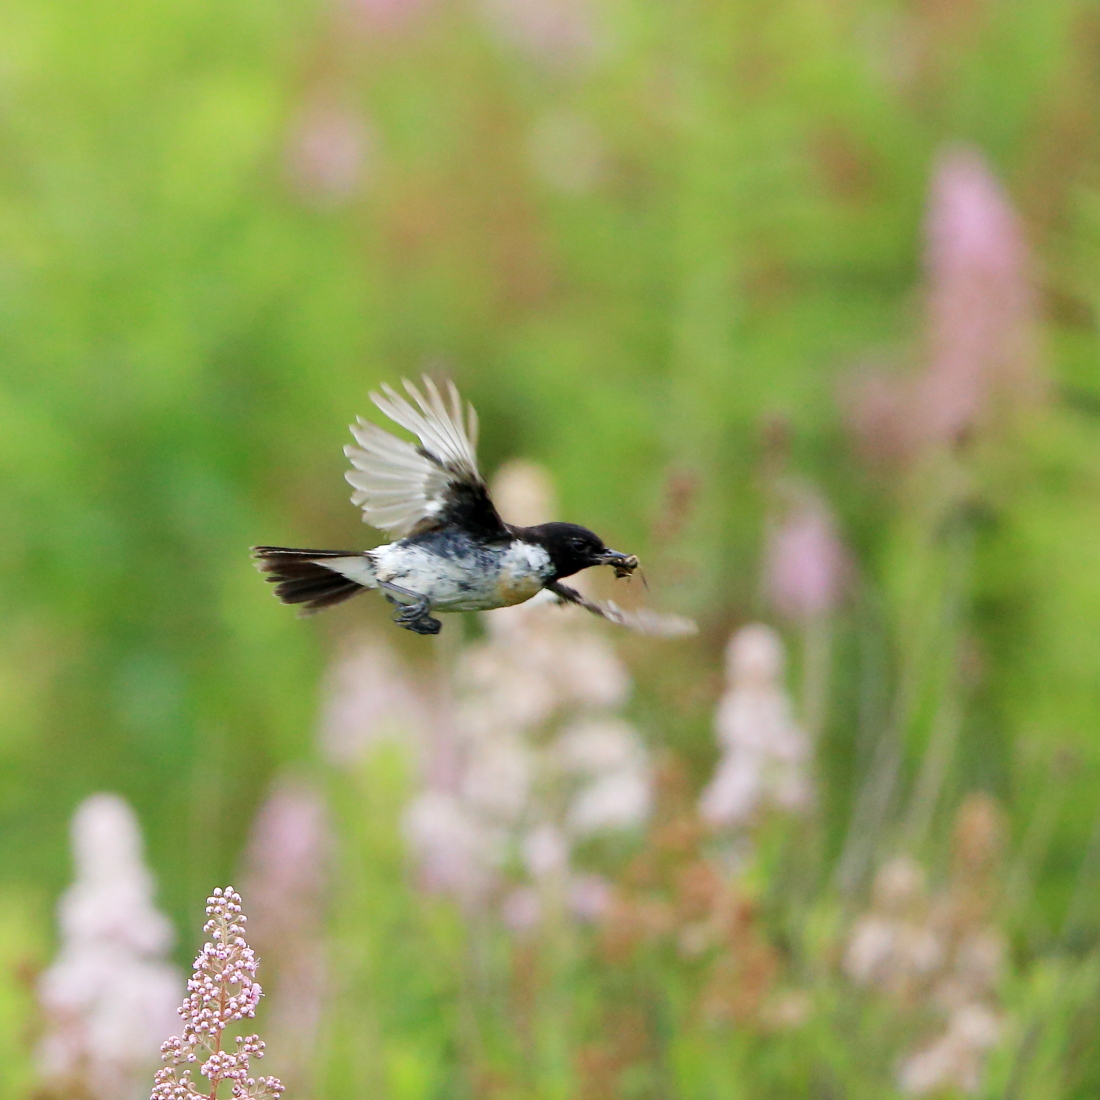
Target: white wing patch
395	485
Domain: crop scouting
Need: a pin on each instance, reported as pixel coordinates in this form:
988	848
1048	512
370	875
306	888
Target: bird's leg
566	594
412	616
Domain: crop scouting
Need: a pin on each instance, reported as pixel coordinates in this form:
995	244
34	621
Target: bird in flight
451	550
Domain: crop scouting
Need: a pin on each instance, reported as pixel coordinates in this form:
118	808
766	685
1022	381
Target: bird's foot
425	625
414	616
410	612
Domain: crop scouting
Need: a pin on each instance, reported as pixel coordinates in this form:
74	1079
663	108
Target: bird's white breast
459	575
525	568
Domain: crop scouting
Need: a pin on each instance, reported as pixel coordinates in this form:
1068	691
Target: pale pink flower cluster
287	885
109	996
805	564
981	306
956	1058
384	15
329	152
370	698
535	757
558	34
935	954
893	947
765	751
222	990
981	350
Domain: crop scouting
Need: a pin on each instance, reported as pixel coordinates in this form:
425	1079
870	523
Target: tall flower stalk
536	759
222	990
109	995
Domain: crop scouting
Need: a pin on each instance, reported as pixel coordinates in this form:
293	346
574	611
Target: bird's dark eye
577	544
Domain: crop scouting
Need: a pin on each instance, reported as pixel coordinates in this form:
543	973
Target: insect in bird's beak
623	564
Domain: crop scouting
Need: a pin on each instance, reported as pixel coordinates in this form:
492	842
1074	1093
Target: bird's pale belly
463	576
515	586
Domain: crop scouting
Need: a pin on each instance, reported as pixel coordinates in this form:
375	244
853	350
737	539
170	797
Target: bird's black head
571	547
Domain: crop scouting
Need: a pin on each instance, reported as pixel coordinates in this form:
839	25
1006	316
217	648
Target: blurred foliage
644	249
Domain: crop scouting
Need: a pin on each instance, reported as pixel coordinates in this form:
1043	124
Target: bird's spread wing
643	621
404	489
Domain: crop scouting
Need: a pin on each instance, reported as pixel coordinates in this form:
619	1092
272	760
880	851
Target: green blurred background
650	242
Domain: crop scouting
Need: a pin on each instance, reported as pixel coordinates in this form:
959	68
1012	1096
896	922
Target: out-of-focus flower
589	897
618	800
384	15
287	880
329	152
674	896
954	1060
545	851
538	756
765	752
457	852
981	307
369	697
611	764
567	152
981	350
939	955
805	565
558	34
521	909
109	996
893	947
498	777
222	991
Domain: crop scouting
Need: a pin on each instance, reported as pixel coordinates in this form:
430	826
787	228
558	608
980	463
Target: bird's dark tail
315	579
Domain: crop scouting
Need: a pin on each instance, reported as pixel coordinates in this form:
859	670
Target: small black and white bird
452	551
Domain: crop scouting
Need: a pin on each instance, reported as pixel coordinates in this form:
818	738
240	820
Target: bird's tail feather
315	579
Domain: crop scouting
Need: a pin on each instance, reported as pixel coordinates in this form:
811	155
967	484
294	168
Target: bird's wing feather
402	488
642	621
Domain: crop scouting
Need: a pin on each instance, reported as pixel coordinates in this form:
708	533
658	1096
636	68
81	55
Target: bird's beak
623	564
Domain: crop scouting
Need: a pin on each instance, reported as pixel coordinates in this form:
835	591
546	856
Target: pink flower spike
981	303
221	990
806	565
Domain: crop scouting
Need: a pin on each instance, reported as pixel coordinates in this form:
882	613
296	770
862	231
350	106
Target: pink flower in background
560	34
521	909
981	307
370	697
457	852
940	957
287	861
805	565
329	152
109	997
589	897
956	1059
893	947
384	15
545	851
287	881
531	757
980	353
765	752
612	772
498	777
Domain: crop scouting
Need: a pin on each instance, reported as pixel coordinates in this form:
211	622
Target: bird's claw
415	617
411	612
426	625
